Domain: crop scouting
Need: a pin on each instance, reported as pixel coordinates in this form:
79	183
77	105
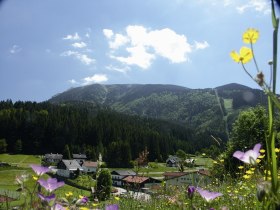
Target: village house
196	178
140	182
80	158
172	161
89	166
52	159
69	168
118	175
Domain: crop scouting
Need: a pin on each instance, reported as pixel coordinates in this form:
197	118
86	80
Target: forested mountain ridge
201	109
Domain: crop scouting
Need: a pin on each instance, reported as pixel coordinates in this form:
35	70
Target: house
172	161
118	175
80	158
196	178
69	168
52	158
90	166
140	182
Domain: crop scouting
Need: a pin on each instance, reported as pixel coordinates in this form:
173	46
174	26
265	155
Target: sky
47	47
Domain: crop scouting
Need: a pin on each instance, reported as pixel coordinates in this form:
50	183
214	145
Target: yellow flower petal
35	178
95	204
117	198
258	160
245	54
246	176
235	56
277	150
240	167
250	36
262	151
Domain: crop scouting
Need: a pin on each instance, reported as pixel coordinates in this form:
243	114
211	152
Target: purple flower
191	190
46	198
58	207
83	199
207	195
39	170
50	184
250	156
112	207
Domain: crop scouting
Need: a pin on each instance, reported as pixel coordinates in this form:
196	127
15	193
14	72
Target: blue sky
47	47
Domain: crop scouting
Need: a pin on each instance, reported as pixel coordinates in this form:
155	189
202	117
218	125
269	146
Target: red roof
90	164
135	179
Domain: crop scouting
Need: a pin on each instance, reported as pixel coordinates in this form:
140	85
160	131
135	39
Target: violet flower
250	156
50	184
191	190
207	195
39	170
58	207
82	200
112	207
46	198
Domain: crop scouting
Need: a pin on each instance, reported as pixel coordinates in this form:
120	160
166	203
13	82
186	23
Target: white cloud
72	37
97	78
143	45
200	45
123	70
262	6
15	49
108	33
81	57
79	44
73	82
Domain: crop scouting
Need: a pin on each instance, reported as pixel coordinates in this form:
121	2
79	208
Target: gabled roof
53	156
90	164
123	172
173	159
79	156
72	165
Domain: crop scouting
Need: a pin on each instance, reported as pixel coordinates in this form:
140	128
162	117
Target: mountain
210	110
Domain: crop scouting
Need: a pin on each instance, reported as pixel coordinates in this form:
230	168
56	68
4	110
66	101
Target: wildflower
68	194
246	176
249	172
240	167
250	156
117	198
215	162
277	150
84	208
250	36
83	199
262	151
191	190
95	204
58	207
50	184
35	178
112	207
258	160
207	195
46	198
39	170
261	156
203	154
245	55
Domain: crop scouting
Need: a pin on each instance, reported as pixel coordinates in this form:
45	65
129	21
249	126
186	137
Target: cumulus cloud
15	49
200	45
258	5
97	78
144	45
85	59
79	44
73	82
72	37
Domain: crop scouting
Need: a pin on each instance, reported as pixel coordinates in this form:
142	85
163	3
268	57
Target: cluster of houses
127	178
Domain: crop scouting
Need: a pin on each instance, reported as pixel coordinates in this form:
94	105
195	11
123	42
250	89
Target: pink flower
207	195
39	170
50	184
250	156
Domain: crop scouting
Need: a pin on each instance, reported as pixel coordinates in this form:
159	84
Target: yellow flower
277	150
261	156
203	154
245	55
215	162
80	196
240	167
250	36
249	172
35	178
262	151
84	208
222	160
117	198
252	169
95	204
258	160
246	176
69	194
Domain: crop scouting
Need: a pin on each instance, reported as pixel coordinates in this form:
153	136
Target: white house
68	168
118	175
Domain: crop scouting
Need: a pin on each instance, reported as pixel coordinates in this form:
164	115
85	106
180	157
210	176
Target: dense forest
38	128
